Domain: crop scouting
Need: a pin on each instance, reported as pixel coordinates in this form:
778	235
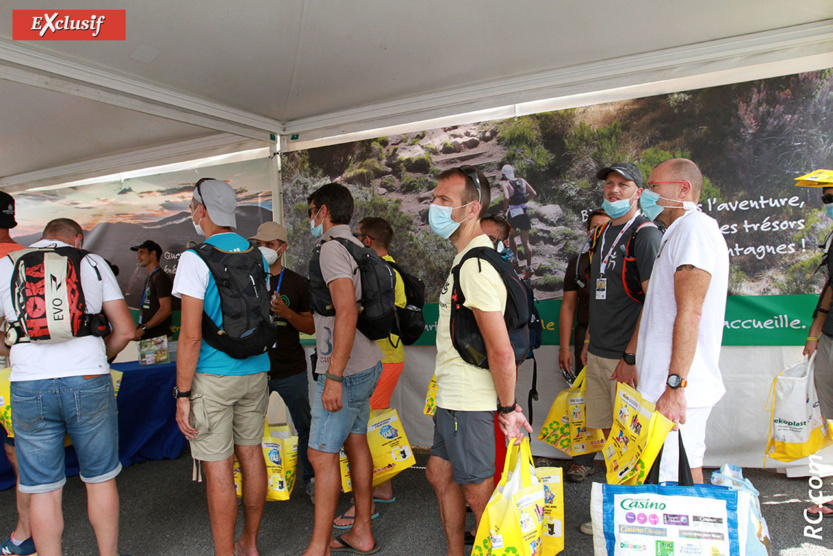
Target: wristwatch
178	394
629	358
508	409
144	327
676	381
331	376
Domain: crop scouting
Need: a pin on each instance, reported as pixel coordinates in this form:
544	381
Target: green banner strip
760	320
753	320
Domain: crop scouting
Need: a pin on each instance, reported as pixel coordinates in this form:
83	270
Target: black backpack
376	312
630	271
240	277
410	323
465	335
48	298
519	193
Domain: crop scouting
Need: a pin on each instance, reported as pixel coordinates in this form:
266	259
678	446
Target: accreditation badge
601	288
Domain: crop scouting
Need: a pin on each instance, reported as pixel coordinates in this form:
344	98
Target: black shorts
466	439
521	222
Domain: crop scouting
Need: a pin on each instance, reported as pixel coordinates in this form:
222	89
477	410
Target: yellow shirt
392	349
461	386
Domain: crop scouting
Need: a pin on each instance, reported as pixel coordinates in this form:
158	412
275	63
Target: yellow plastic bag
636	438
552	533
280	451
513	519
796	428
6	399
565	427
389	448
431	397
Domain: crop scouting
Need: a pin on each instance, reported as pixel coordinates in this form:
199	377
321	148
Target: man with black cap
221	401
616	293
155	311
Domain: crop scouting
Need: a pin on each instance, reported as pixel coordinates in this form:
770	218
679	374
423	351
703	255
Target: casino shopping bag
566	423
667	519
280	451
636	438
797	429
513	519
389	448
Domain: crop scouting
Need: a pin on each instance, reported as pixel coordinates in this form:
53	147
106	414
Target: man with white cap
516	194
220	400
288	363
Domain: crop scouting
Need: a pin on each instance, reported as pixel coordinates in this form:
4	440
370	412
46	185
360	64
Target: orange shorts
387	383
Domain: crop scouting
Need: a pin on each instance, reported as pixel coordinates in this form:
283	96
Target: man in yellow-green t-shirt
462	461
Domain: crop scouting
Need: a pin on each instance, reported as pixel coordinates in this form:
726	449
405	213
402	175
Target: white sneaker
586	528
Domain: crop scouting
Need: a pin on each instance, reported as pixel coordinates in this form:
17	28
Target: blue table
147	422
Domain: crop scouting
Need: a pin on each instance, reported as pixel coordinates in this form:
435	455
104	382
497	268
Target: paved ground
164	513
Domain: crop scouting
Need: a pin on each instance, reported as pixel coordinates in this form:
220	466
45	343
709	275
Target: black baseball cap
150	245
625	169
7	220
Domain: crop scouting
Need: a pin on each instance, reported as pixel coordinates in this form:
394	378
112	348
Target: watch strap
507	409
331	376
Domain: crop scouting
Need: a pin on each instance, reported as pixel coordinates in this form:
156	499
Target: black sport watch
508	409
629	358
178	394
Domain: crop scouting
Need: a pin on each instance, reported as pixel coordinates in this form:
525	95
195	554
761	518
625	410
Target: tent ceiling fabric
194	68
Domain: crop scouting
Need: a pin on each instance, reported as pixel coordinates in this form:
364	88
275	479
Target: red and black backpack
48	298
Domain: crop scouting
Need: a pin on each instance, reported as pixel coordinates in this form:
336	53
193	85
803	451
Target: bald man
681	330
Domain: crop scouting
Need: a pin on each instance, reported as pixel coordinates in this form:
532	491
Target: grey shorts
466	439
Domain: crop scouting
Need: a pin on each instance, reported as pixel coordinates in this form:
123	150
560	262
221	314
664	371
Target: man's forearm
684	342
302	323
504	376
187	356
157	318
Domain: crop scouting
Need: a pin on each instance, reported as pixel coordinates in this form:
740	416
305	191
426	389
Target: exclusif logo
69	25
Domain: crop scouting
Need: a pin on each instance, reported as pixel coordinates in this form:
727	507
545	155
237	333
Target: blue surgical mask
316	230
441	222
615	209
829	209
649	206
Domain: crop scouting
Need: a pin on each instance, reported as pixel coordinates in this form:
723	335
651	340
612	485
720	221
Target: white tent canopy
195	78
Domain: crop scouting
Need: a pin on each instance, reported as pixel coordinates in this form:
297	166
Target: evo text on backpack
376	307
48	298
240	276
465	334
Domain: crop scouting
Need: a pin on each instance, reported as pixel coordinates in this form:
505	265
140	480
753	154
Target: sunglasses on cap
471	172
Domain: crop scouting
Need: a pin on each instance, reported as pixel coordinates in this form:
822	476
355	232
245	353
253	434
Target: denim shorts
329	429
44	411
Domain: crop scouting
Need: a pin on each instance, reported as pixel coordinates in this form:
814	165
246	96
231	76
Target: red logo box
69	25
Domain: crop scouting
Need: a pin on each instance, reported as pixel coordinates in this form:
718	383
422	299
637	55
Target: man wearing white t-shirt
220	401
681	330
54	384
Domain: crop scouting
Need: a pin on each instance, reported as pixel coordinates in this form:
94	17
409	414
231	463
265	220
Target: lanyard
280	279
604	262
146	292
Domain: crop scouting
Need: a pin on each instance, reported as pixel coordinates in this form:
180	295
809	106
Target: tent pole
275	179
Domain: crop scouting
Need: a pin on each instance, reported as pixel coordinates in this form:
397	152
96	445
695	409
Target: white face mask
197	226
270	255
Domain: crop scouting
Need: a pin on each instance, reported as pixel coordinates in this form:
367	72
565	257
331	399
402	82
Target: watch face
629	358
674	381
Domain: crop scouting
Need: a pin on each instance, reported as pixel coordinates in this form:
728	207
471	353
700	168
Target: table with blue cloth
147	419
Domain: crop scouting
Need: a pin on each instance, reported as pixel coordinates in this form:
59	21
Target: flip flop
345	527
347	547
379	500
828	505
